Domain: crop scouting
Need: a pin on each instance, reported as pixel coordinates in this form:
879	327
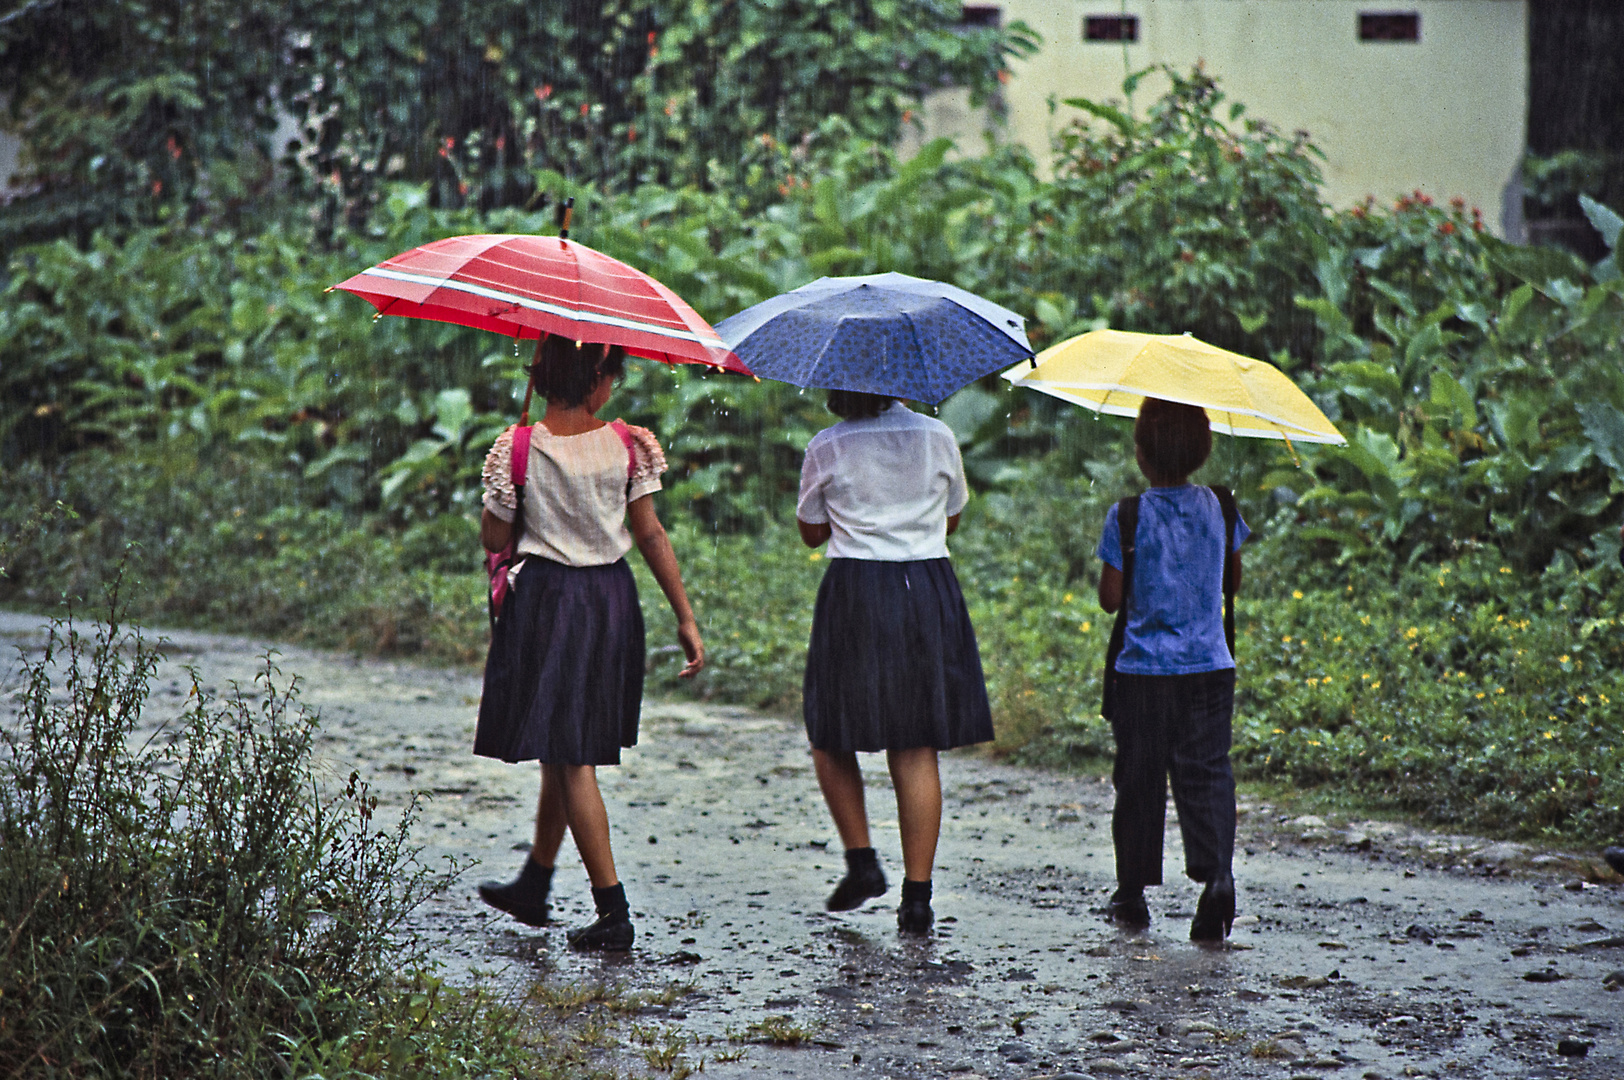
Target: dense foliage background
1431	620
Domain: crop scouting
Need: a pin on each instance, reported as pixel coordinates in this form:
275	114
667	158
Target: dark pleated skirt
564	678
893	663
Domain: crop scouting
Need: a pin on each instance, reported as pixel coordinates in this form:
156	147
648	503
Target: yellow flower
1364	620
1562	659
1286	639
1480	695
1066	599
1583	700
1365	677
1460	674
1551	734
1311	742
1499	689
1411	632
1376	686
1279	731
1603	697
1086	627
1296	594
1505	569
1336	639
815	556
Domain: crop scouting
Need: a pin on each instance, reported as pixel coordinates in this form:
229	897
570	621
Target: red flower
157	187
544	92
585	108
1458	203
651	36
1447	228
174	149
462	187
501	142
631	133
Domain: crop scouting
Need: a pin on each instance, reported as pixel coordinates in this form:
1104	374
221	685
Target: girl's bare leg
918	784
842	784
588	820
551	821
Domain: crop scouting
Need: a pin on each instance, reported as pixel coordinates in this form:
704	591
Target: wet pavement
1361	950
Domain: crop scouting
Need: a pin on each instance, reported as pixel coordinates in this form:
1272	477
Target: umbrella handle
530	385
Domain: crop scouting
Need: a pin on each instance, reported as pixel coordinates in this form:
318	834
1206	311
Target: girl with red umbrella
564	679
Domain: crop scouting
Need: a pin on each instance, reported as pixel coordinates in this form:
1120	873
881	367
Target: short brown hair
1174	439
856	405
567	369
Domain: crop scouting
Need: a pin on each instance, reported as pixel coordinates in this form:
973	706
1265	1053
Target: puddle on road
1347	960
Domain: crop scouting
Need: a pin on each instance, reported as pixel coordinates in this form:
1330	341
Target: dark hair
567	370
856	405
1174	439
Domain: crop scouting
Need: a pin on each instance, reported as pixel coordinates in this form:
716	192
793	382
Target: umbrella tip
329	288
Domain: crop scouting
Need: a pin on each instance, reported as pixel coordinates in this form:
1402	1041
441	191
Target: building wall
1446	115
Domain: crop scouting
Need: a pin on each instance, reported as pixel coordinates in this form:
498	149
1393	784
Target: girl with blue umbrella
893	664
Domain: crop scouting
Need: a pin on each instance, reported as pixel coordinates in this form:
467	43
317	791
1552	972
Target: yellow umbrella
1112	371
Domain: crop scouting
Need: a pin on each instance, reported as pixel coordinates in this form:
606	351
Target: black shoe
613	932
864	880
1127	908
1215	911
915	917
525	897
1615	858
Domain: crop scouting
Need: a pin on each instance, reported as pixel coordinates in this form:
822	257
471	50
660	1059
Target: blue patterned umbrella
880	334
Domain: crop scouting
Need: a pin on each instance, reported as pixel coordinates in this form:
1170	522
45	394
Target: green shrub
178	900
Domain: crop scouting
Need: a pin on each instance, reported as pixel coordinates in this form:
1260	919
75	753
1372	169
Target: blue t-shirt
1176	603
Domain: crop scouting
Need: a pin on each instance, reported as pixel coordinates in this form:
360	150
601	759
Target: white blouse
885	486
575	491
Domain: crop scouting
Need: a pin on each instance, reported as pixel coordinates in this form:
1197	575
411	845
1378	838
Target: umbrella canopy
881	334
533	286
1113	371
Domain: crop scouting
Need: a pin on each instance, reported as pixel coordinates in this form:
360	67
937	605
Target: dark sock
861	858
915	890
610	900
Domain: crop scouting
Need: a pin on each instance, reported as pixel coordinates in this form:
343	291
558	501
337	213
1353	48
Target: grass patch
780	1030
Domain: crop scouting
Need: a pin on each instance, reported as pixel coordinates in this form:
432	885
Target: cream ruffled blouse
575	491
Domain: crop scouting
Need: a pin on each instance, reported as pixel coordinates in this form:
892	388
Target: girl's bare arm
494	533
652	541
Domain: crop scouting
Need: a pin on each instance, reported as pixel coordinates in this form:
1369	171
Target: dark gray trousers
1174	726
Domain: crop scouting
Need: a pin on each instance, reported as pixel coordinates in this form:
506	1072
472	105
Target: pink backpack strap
520	463
631	446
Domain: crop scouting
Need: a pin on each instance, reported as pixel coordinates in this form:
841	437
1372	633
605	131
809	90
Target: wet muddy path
1361	950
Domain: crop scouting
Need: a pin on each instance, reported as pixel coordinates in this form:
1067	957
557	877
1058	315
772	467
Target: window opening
1111	28
979	16
1389	26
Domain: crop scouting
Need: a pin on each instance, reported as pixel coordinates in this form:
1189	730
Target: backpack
499	565
1128	527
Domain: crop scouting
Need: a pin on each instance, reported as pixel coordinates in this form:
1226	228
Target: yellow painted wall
1446	115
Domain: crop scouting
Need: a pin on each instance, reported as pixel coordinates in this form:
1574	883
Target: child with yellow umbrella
1172	568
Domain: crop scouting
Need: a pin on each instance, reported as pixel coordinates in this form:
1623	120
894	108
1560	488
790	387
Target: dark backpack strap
1127	533
518	467
1226	503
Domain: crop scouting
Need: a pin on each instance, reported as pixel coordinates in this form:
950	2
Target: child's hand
692	647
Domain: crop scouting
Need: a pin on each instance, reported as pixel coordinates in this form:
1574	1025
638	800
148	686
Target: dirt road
1362	950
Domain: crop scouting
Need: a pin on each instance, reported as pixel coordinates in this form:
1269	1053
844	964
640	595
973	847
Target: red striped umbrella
533	286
